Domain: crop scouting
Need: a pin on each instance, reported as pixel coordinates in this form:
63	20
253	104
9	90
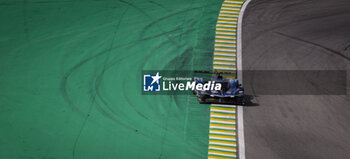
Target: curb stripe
221	132
222	125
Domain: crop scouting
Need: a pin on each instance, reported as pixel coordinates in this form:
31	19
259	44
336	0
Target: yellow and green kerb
222	128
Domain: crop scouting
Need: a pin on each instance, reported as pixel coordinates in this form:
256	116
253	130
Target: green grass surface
70	78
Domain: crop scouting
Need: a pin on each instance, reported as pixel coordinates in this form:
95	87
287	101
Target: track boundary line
240	122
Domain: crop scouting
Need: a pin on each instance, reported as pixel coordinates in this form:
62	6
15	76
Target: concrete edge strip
240	122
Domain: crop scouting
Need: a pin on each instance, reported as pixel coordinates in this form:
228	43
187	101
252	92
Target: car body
231	91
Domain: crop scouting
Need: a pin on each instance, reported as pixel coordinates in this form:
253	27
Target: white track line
221	122
214	153
225	41
222	111
226	64
241	142
224	68
223	105
222	149
219	143
221	127
222	133
222	138
224	116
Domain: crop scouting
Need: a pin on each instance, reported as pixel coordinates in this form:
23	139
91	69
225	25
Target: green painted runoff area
70	78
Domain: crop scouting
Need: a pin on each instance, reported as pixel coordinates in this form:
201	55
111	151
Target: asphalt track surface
70	78
297	35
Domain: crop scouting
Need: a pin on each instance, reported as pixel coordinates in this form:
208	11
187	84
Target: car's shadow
249	101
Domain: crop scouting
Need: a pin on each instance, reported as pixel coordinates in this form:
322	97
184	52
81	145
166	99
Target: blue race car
231	91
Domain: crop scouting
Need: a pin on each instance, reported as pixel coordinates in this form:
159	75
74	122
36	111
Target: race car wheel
242	101
202	99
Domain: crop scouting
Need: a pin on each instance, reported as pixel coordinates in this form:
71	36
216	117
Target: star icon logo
156	78
151	82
